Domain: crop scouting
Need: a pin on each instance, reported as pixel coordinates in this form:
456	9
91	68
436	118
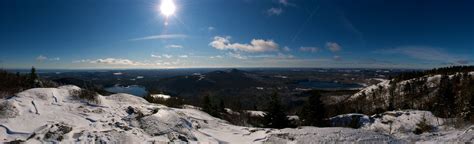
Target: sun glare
167	7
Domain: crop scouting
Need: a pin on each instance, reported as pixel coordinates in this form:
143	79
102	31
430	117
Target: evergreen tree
275	116
313	111
206	104
391	91
33	77
222	106
445	99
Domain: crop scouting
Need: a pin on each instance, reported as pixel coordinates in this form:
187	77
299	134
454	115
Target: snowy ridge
431	82
384	83
52	115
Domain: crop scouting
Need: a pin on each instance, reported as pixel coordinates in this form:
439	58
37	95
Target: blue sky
77	34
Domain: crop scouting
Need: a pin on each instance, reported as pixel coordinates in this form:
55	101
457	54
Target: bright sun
167	7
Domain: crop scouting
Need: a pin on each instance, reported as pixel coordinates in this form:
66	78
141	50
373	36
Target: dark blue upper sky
236	33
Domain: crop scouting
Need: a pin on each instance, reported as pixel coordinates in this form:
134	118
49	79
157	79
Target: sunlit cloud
256	45
287	49
333	47
163	36
183	56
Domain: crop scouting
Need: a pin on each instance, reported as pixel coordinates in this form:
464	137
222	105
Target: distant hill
212	81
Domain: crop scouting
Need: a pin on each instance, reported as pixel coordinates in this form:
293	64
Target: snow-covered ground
53	115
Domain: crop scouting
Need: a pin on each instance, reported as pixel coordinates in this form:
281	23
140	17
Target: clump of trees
214	107
175	102
275	116
11	83
313	111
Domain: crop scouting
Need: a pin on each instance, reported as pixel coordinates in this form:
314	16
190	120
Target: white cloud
274	11
41	58
334	47
174	46
211	28
256	45
163	36
155	56
286	49
237	55
272	56
112	61
309	49
216	57
162	56
286	3
183	56
167	56
337	58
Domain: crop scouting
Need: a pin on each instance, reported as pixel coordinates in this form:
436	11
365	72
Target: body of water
329	85
132	89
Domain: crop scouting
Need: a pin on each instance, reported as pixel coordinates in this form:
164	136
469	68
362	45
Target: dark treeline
11	83
444	71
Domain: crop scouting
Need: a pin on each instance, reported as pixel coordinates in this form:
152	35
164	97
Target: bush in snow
87	95
423	126
8	110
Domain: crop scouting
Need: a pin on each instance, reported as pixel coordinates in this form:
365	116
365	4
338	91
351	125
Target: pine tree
275	117
206	104
313	111
222	106
391	91
33	77
445	99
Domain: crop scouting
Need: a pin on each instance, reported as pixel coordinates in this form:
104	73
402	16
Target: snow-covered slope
53	115
403	124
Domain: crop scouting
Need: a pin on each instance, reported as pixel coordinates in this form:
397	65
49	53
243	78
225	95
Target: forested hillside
447	92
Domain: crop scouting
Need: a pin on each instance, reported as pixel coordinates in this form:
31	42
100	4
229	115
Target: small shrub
355	122
87	95
423	126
